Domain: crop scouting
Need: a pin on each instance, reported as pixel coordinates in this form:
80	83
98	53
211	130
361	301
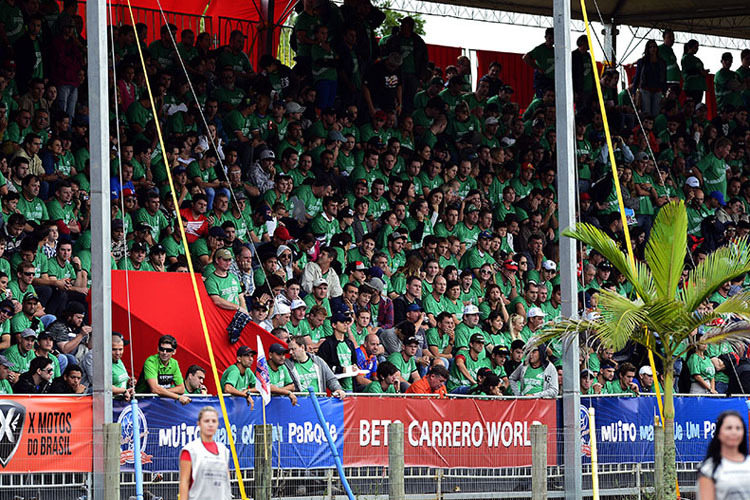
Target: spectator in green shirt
161	373
239	379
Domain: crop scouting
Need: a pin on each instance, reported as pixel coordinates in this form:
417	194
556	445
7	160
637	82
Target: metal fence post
539	462
396	489
112	460
658	457
262	470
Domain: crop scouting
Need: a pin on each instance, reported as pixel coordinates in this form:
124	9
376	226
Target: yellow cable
616	181
194	282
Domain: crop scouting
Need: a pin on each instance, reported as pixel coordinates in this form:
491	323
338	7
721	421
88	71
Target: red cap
586	196
510	265
528	165
380	115
282	233
127	192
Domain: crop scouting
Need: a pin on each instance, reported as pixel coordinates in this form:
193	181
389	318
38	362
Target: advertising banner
166	426
45	434
625	426
447	433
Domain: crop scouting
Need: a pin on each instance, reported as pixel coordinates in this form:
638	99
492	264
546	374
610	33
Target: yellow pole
594	458
214	370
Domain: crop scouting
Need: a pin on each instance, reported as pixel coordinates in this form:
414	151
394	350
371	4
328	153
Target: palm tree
665	313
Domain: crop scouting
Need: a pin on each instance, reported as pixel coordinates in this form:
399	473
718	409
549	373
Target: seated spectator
405	361
624	383
161	373
195	377
69	382
222	286
387	381
69	332
281	380
239	379
308	370
469	360
5	367
432	383
367	359
37	380
490	385
645	380
22	353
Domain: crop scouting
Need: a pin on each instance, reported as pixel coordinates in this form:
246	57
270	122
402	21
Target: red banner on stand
46	434
448	433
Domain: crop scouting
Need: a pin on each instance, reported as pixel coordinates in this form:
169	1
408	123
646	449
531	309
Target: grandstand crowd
393	223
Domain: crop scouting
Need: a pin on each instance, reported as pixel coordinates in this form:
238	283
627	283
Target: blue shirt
365	363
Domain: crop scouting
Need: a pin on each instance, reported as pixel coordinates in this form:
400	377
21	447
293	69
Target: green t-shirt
227	287
56	270
166	376
344	354
34	210
405	367
701	366
532	381
614	387
280	377
376	388
233	377
545	59
20	361
12	17
716	350
464	333
120	375
308	375
714	172
673	70
158	221
456	378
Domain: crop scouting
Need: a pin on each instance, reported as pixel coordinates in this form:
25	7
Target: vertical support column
658	457
567	189
396	490
101	287
266	37
262	471
112	463
539	462
610	42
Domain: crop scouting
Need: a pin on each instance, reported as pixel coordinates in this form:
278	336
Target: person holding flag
262	379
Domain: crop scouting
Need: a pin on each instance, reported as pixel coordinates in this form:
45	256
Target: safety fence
452	448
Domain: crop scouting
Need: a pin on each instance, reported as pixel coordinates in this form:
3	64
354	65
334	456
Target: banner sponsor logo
447	433
127	438
12	418
45	434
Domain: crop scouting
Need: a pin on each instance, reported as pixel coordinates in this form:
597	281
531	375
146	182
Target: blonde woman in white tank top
204	463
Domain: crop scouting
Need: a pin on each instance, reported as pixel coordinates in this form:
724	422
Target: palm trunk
670	472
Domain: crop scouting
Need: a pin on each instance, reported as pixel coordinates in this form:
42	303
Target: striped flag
263	379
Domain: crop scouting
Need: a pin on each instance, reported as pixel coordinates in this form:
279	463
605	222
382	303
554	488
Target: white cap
282	308
297	303
319	282
645	369
471	309
534	312
549	265
692	182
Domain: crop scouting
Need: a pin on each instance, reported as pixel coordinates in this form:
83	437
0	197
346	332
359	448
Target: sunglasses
28	274
166	349
49	370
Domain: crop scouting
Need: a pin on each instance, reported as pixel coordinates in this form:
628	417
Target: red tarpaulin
164	303
443	56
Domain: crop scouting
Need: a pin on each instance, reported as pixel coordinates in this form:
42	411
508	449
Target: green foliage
393	18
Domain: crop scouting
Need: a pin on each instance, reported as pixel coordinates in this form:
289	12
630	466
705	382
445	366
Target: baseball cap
605	266
471	309
118	224
335	135
267	154
30	296
380	115
396	235
485	235
293	107
4	361
587	373
645	369
6	306
319	282
127	192
535	312
477	337
500	350
244	350
217	232
282	308
413	307
223	253
124	340
277	348
28	332
718	196
585	196
528	165
641	156
692	182
411	340
179	169
360	266
377	284
549	265
282	233
297	303
142	226
606	365
491	121
44	335
471	208
158	248
340	318
138	247
510	265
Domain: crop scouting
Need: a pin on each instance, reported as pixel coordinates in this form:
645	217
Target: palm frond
737	334
720	266
602	243
736	305
666	248
620	319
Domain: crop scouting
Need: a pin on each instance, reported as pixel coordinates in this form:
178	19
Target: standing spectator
670	59
28	53
583	75
727	84
308	370
413	51
650	79
383	88
693	72
535	377
66	62
542	59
